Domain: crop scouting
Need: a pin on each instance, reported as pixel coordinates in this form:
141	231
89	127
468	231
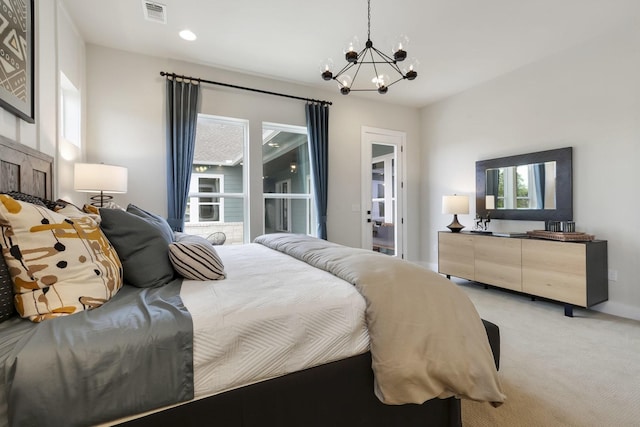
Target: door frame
367	138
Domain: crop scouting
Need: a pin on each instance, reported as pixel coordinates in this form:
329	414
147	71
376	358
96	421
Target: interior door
382	204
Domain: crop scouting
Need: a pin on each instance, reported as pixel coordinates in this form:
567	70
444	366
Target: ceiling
459	43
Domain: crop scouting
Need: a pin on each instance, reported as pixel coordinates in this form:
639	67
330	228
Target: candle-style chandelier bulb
326	69
382	83
410	68
345	82
352	49
400	48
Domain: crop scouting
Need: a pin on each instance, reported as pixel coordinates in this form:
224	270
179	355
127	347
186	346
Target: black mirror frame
564	186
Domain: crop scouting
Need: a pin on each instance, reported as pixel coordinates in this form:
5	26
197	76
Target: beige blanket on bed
427	339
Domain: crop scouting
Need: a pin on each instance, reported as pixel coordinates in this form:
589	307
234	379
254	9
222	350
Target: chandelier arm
388	60
344	69
375	69
384	56
353	79
400	79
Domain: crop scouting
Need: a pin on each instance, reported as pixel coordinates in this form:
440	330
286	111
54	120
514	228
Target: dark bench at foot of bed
338	394
493	333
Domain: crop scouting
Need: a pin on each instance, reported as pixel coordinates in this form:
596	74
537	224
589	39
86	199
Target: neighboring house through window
218	197
205	204
288	204
216	192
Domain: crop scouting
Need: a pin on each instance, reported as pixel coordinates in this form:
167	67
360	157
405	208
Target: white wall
71	62
588	98
37	135
126	126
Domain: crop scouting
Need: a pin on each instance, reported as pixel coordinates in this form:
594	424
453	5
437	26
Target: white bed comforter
269	318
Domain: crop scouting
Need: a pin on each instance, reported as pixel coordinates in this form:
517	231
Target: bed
316	368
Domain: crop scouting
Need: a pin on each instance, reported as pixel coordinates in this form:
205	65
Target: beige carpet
556	370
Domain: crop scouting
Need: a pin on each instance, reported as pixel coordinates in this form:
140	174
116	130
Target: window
70	111
217	198
218	193
513	187
203	204
288	205
383	187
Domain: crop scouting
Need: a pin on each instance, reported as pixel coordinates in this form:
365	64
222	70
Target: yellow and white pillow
60	264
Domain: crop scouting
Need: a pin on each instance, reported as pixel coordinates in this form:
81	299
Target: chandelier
379	66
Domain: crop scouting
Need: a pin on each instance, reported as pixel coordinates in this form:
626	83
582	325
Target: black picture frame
16	64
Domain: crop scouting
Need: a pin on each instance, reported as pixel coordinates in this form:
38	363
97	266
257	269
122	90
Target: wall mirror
534	186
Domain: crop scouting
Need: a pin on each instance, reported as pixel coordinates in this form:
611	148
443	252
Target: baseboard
618	309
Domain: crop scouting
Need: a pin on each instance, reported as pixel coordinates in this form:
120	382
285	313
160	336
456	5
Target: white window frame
283	206
388	197
194	196
70	112
312	229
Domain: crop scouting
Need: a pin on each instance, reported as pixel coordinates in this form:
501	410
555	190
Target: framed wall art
16	58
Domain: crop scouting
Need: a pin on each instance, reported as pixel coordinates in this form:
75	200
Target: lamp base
99	200
455	226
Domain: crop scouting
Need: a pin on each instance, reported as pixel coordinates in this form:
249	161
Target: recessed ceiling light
188	35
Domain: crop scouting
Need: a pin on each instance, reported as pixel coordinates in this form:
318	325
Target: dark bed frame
334	394
337	394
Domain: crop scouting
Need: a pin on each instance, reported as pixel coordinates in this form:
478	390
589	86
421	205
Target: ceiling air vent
155	12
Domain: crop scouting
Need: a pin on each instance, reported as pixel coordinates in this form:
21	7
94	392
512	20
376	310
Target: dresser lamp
455	205
489	204
99	178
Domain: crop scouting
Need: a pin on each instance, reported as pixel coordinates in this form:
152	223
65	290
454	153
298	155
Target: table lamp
98	177
455	205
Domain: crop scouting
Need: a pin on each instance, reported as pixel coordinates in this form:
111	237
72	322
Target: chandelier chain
368	19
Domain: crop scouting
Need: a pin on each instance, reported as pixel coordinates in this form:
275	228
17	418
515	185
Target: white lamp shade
455	204
96	177
490	202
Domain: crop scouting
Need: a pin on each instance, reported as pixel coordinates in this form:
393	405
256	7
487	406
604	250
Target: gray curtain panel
318	130
538	187
183	105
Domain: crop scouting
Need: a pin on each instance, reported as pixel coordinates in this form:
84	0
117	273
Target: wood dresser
574	273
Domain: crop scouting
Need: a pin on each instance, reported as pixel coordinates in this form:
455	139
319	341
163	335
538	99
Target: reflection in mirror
528	186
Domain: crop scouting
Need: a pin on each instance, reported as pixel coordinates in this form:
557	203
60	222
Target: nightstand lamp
99	178
455	205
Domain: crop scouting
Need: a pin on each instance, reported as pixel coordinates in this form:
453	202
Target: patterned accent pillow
6	292
193	257
40	201
59	265
16	195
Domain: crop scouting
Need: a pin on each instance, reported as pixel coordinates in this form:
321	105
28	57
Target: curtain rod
162	73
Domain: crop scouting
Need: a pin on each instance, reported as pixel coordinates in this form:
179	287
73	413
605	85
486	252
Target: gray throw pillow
142	246
160	222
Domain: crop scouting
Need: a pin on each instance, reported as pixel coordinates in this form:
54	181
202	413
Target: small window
70	108
205	204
